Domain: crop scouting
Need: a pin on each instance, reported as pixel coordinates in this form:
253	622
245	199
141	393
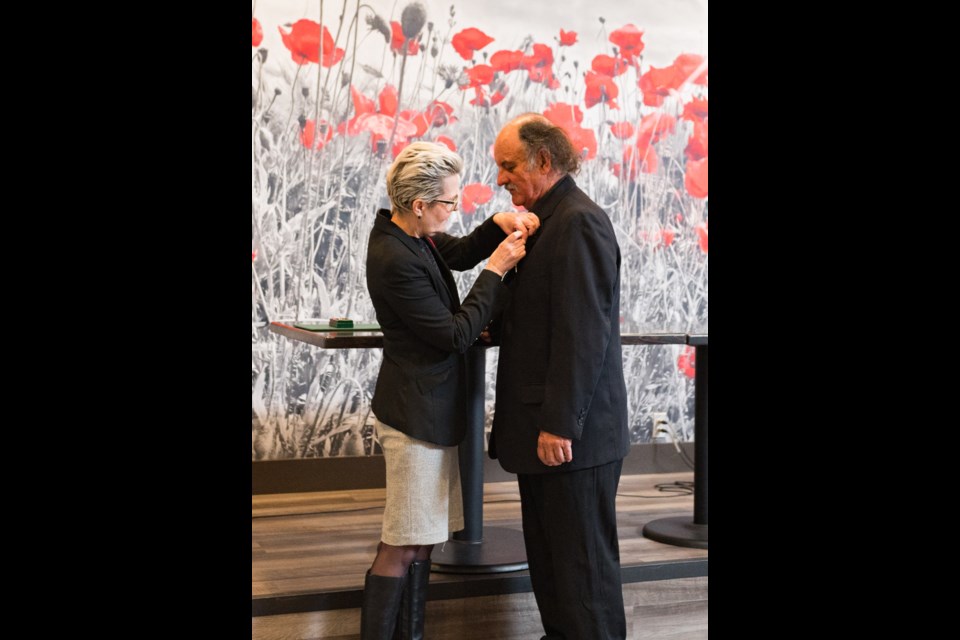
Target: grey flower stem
293	95
396	116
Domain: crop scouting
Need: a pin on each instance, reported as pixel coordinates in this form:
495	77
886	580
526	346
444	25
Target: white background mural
333	104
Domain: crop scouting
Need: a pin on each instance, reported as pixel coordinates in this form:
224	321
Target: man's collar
549	201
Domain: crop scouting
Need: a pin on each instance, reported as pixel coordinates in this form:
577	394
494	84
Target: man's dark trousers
570	530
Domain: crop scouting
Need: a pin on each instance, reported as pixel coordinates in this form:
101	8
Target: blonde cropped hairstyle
418	172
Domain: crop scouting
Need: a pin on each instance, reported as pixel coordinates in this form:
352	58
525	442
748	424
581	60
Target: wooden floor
317	547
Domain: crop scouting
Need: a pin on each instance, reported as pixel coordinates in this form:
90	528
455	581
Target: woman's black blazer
421	388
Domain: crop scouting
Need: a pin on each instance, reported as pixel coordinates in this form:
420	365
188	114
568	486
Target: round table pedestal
681	531
500	550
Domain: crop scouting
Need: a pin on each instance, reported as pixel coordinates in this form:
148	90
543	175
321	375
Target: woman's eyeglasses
453	204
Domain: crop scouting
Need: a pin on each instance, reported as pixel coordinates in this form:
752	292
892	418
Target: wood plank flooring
660	610
322	543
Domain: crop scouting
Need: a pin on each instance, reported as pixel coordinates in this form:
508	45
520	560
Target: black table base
501	550
477	549
680	531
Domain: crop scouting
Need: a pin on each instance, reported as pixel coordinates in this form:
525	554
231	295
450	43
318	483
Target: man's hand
554	450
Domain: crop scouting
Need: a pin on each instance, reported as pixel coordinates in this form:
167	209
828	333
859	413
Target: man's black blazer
421	388
560	366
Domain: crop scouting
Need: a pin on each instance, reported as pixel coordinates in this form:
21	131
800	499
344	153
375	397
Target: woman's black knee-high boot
413	604
381	602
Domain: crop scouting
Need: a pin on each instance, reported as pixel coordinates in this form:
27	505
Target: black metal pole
700	483
471	449
477	549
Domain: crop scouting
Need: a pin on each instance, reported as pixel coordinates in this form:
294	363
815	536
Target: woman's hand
523	221
508	253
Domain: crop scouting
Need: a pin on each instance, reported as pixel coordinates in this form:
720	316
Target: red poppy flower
449	142
539	66
701	230
646	158
309	132
396	45
383	124
567	38
417	119
656	84
352	126
411	122
608	65
254	253
470	40
479	74
542	56
303	41
499	94
543	75
686	362
652	97
695	179
621	130
439	113
697	143
686	64
583	140
630	41
388	100
654	126
361	103
380	127
568	117
668	77
695	110
600	88
257	32
565	116
506	61
474	194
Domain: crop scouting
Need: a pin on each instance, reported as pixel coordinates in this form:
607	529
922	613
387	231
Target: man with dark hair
561	408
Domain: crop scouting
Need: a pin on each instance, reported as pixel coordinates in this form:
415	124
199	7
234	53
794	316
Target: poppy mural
339	88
